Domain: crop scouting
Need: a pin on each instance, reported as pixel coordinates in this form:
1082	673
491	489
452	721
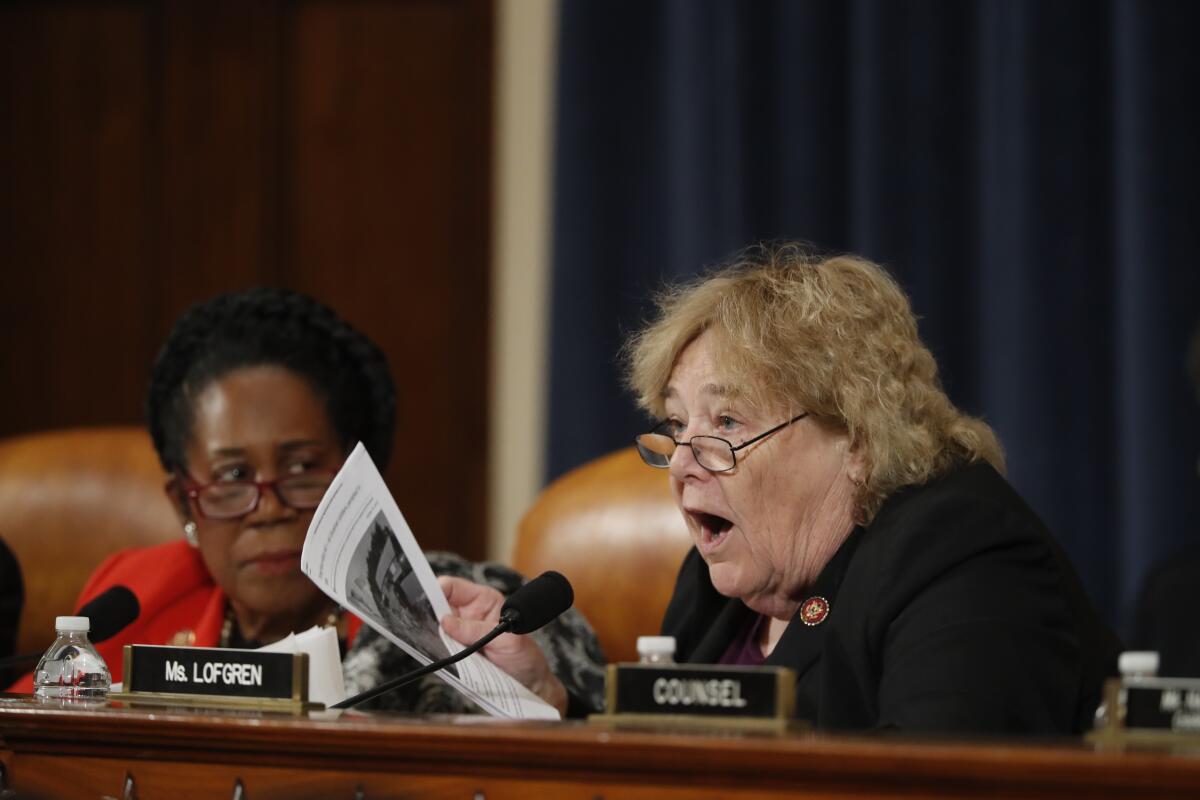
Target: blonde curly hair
835	337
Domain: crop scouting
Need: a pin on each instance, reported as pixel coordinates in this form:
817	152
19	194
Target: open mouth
713	529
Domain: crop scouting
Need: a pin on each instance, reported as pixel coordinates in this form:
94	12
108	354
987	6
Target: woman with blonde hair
849	522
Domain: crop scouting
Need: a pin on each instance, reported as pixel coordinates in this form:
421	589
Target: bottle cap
1138	662
73	624
656	645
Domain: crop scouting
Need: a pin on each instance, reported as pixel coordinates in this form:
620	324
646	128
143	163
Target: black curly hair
278	327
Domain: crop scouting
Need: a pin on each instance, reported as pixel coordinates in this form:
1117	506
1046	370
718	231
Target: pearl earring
191	533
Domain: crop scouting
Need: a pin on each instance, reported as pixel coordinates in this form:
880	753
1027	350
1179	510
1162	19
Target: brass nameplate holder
1145	709
213	676
699	695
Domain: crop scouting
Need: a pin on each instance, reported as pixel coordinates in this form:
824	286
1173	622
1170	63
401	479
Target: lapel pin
814	610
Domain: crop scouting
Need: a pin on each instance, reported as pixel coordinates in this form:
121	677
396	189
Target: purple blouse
744	650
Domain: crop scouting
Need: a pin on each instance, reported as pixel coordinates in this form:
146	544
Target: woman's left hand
474	611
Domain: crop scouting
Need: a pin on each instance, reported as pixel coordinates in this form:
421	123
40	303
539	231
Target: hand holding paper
360	551
474	611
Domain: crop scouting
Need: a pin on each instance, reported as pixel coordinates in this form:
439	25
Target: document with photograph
361	552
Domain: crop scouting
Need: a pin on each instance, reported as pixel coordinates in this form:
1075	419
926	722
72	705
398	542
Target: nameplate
212	675
708	691
1148	710
1167	704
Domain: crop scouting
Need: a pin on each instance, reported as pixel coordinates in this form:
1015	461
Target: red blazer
176	595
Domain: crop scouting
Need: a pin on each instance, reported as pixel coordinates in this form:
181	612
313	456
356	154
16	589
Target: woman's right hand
475	611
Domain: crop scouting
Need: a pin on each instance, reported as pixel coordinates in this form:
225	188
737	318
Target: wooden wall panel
220	122
399	241
155	154
72	196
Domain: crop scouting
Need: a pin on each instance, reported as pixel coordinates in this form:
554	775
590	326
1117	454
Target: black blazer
1166	615
954	610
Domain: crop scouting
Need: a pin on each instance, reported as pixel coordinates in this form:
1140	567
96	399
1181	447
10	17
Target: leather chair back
68	499
612	528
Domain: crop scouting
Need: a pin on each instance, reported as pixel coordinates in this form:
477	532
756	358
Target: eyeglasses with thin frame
225	500
712	452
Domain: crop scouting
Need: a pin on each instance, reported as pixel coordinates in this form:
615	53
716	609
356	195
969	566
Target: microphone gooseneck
529	608
408	678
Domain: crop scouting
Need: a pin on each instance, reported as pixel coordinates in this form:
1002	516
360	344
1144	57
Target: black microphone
109	613
538	602
529	608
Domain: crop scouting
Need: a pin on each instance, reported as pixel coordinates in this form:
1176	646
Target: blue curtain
1027	169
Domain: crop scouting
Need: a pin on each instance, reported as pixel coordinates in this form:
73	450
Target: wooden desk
182	753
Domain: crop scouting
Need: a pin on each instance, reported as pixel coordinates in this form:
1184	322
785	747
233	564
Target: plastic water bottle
1136	667
72	669
1134	664
656	649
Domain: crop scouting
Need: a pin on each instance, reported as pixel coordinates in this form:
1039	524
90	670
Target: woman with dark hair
254	402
